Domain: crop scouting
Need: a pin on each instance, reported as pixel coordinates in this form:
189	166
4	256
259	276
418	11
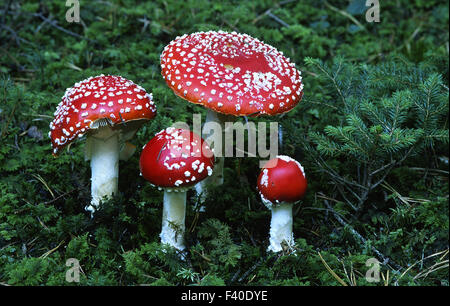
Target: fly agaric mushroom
175	160
281	183
109	110
230	74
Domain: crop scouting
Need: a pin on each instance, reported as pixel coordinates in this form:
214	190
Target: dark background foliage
397	68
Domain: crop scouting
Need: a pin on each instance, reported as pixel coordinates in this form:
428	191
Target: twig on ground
52	250
244	276
345	14
54	24
271	15
385	260
60	196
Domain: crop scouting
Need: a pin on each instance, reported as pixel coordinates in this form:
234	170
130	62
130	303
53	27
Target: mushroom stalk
104	156
281	227
173	224
213	136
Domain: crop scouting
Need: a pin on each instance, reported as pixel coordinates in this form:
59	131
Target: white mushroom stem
104	156
173	224
281	227
214	135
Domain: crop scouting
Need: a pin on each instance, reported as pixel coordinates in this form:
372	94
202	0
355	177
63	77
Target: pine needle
40	179
340	280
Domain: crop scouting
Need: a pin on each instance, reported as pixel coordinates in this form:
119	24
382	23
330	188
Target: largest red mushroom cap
231	73
282	180
176	158
113	99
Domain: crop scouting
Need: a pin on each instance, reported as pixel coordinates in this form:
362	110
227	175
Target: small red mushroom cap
176	158
281	180
113	98
231	73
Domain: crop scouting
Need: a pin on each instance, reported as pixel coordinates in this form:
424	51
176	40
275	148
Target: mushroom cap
231	73
281	180
176	158
98	101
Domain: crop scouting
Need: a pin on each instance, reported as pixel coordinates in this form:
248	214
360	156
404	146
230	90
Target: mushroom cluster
108	110
175	160
230	74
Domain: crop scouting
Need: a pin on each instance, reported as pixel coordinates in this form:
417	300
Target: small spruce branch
385	259
387	170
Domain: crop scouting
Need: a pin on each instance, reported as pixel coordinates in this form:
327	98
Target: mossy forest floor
399	66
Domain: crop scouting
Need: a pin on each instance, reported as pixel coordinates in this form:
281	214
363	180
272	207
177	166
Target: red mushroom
175	160
109	110
230	74
281	183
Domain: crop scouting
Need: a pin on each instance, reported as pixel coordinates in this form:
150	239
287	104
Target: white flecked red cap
231	73
102	97
176	158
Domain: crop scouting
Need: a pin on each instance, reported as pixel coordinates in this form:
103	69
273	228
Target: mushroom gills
102	122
